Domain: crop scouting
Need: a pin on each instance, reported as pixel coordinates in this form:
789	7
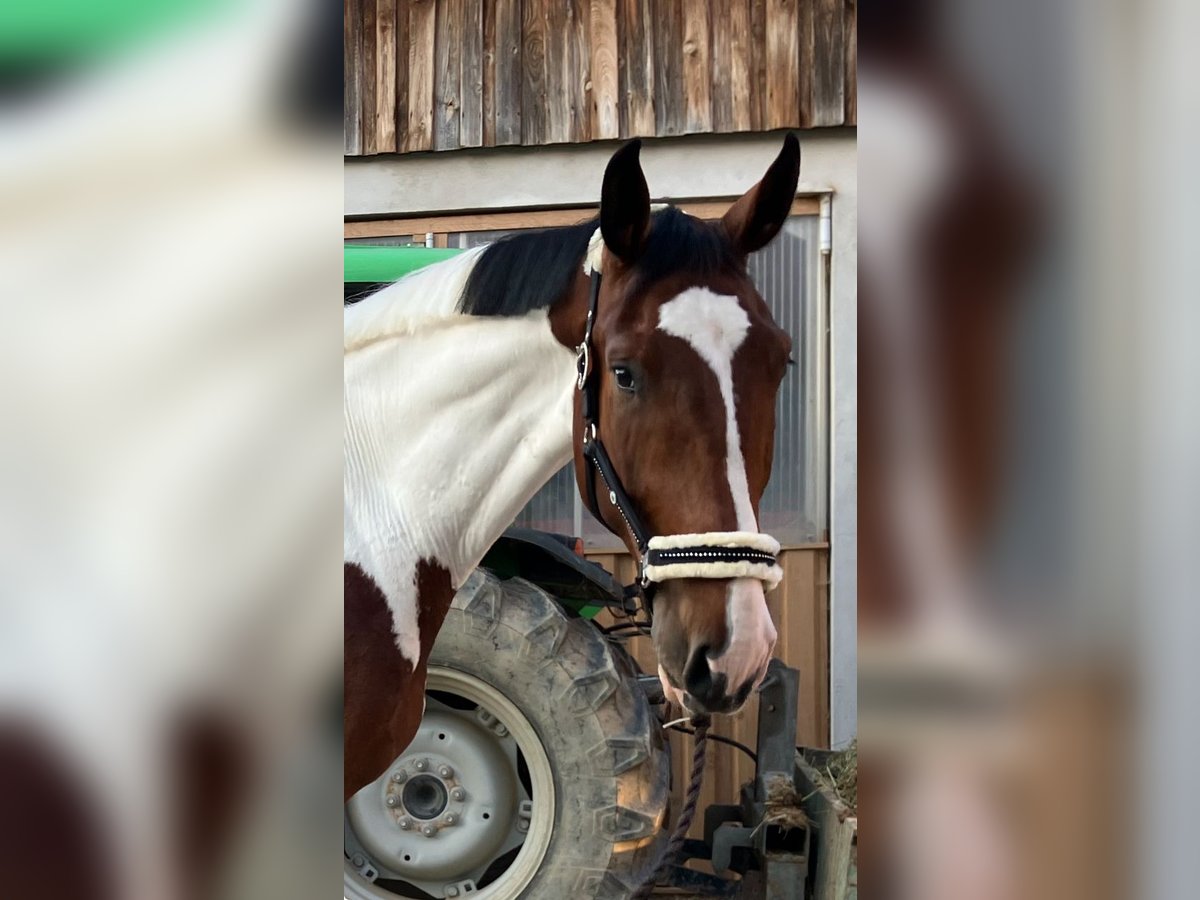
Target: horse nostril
699	680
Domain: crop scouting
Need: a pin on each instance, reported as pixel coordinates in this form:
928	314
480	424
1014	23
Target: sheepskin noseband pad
714	554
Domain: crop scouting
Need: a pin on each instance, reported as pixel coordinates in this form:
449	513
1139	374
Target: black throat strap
593	448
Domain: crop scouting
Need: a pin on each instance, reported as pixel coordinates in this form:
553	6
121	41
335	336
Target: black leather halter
594	453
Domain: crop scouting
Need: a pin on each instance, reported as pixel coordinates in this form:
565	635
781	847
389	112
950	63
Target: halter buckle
582	364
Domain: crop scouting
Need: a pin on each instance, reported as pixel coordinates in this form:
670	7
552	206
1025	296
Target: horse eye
624	378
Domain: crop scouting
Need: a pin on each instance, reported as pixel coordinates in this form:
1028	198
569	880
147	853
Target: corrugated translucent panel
794	507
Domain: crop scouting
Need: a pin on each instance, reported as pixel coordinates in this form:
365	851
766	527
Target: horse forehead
714	324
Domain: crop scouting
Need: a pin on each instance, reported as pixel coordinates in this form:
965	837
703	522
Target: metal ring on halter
582	364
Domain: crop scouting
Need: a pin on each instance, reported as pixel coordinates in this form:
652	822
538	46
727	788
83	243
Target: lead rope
686	814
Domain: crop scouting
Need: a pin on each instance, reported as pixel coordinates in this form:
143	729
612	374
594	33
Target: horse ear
754	220
625	204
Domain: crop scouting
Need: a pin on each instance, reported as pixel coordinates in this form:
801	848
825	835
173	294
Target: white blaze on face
715	325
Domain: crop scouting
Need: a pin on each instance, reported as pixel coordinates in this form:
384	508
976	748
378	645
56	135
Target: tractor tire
562	705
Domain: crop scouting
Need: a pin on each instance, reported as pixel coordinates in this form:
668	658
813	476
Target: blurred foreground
170	616
1026	459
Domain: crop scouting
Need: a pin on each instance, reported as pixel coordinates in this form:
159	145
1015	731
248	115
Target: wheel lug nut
421	765
428	830
405	823
458	794
400	777
393	801
446	772
451	819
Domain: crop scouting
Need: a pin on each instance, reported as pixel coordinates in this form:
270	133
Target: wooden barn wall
444	74
800	610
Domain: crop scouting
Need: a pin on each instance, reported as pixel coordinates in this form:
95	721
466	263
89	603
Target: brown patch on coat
384	692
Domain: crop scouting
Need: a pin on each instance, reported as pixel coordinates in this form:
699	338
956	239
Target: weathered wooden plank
605	80
385	76
829	64
470	115
447	85
533	73
783	64
508	72
758	82
579	69
400	77
721	59
558	70
422	21
489	73
851	88
807	41
740	73
636	69
670	112
697	73
352	78
370	81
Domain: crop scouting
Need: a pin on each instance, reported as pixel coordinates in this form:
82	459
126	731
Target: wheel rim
466	810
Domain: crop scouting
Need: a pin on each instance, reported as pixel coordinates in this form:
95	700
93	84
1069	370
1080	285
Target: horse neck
450	430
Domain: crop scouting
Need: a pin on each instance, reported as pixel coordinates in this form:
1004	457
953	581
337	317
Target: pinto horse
469	383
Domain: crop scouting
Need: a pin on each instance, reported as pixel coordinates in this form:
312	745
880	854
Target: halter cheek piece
715	554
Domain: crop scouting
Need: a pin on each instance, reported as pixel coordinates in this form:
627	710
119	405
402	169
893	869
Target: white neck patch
715	325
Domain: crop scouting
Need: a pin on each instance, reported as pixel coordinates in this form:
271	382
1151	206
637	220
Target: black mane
526	271
532	269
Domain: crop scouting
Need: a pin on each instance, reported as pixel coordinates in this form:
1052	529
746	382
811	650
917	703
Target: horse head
680	364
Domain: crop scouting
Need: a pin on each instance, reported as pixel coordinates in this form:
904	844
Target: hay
783	804
840	775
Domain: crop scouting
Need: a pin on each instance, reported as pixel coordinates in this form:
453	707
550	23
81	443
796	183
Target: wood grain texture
422	21
470	113
670	111
370	83
385	76
740	72
558	71
352	77
579	69
444	74
508	72
637	69
804	72
447	83
851	75
828	64
783	63
721	61
758	82
697	70
606	86
489	73
533	73
400	74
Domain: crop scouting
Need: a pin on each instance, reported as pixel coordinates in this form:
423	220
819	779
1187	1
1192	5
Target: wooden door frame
436	225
